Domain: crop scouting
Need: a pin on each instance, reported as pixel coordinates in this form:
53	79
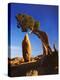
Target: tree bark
45	43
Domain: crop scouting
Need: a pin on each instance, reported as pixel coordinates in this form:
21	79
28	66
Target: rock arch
27	22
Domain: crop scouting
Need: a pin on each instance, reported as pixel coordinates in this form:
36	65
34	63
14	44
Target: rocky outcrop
39	65
26	48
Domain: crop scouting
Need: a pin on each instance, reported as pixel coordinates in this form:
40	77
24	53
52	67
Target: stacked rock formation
26	49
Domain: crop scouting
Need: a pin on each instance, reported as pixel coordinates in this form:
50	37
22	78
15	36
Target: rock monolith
26	49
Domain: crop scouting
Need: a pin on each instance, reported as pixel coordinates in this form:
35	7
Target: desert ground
39	65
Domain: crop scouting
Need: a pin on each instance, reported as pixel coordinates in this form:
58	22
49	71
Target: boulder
26	48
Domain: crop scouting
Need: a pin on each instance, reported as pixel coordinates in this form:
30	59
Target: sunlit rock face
26	48
32	73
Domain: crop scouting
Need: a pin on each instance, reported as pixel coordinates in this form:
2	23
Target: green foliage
37	24
26	21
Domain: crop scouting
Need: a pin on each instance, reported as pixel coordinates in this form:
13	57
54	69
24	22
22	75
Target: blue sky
48	18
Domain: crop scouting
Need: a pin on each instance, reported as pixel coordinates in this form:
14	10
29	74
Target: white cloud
14	47
15	51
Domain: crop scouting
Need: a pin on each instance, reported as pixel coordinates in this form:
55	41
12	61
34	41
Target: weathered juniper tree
26	23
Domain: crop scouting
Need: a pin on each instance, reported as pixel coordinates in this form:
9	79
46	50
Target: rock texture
39	65
26	48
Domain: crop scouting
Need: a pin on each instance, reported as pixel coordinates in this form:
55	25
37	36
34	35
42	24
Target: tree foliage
37	24
27	22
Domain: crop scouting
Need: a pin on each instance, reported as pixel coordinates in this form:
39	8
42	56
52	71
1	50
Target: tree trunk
45	43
